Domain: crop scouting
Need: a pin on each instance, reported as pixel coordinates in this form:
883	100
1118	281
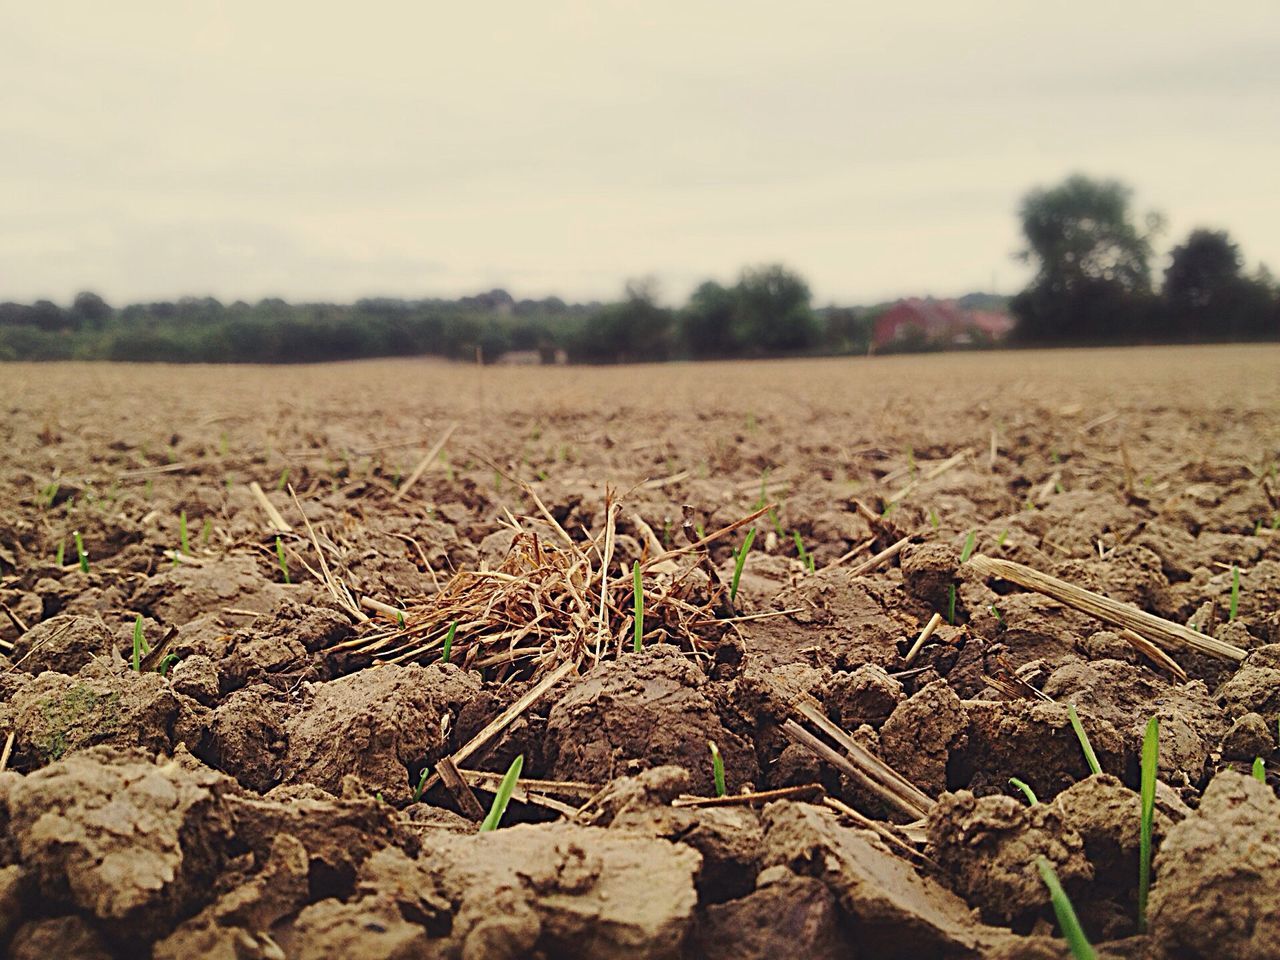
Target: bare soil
258	799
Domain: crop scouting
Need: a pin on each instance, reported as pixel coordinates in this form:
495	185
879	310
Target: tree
635	329
90	310
772	312
1209	297
1093	273
707	321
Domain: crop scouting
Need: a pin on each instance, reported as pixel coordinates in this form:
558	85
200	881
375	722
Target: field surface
234	730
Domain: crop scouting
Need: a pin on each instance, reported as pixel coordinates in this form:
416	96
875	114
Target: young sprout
1235	593
167	663
1026	790
995	612
777	525
448	642
206	531
1150	760
284	567
637	590
1259	770
184	543
84	557
58	554
400	619
965	553
740	561
421	785
140	648
284	478
805	557
933	518
1068	922
717	768
1078	727
503	796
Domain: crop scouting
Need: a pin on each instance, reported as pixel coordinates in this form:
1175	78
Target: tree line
768	312
1093	283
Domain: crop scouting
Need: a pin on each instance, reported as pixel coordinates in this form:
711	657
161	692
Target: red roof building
919	324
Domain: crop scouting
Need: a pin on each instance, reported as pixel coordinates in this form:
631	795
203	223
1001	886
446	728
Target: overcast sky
330	151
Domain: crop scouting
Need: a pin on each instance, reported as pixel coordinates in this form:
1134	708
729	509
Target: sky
328	151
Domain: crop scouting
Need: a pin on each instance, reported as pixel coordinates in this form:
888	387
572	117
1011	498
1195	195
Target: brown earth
257	799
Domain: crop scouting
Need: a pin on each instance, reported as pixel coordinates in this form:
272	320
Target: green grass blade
951	604
80	552
284	566
448	642
184	543
1068	922
1150	761
717	769
503	796
637	589
740	561
1026	790
1259	770
421	784
1090	757
140	648
969	543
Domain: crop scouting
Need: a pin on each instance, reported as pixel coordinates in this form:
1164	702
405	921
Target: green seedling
421	785
503	796
805	557
206	532
1090	757
740	561
717	769
700	530
777	525
284	478
1150	761
1068	922
951	604
933	519
448	642
638	591
48	493
1257	526
996	613
58	554
888	509
284	566
969	542
1026	790
400	619
1259	770
1235	594
80	552
167	663
184	543
140	648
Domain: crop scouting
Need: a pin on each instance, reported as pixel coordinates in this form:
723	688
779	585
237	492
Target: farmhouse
916	324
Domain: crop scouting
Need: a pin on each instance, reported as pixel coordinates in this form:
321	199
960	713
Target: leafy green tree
1207	295
772	312
707	321
90	310
1093	272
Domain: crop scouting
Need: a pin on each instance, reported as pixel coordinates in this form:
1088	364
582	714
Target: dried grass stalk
1156	629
